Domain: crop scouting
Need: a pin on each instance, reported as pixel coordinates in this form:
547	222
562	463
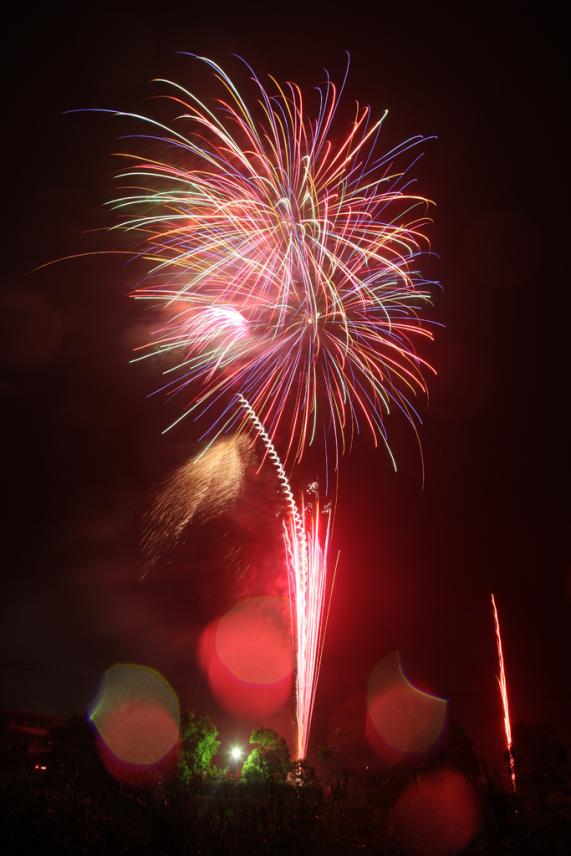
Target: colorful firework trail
306	550
286	260
502	683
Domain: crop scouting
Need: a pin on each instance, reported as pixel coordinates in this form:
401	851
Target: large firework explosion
286	258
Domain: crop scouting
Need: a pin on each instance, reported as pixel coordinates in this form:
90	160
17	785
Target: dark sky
82	444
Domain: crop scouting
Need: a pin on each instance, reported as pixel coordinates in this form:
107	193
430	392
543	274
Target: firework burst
285	256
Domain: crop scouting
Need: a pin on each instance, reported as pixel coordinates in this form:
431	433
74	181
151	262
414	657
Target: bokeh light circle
136	714
401	718
247	658
253	640
436	816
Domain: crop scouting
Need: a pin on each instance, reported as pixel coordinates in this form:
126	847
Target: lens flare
253	640
246	657
136	714
285	251
402	719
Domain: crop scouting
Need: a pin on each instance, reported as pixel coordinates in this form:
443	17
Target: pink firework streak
306	549
502	683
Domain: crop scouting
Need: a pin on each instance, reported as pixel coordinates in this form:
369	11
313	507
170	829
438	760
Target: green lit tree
269	760
199	745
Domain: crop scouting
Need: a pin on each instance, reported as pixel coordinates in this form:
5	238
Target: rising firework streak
502	683
306	549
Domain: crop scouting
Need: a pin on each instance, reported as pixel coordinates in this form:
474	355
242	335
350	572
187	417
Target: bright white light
236	753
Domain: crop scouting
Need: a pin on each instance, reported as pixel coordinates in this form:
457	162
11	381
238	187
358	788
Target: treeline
264	803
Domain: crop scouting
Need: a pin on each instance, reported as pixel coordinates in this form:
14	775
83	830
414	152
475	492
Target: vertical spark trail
502	683
307	567
306	552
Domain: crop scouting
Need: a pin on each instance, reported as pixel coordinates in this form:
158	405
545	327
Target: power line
91	678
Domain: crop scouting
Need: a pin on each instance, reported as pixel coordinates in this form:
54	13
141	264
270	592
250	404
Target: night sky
82	446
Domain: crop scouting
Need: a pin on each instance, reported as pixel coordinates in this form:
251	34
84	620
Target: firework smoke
203	487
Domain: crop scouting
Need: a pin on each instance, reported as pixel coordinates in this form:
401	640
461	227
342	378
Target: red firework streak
502	683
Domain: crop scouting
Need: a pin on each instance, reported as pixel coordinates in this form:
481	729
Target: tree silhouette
348	755
457	753
74	760
541	762
13	748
